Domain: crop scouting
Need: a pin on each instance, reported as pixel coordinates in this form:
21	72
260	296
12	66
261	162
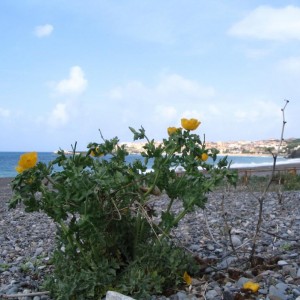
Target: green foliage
107	239
291	182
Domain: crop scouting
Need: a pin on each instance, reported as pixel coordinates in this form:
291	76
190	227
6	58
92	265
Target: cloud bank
268	23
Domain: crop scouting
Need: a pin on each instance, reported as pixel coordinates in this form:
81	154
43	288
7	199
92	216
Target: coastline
262	170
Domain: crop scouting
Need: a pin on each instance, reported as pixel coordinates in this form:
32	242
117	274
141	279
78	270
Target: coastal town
261	147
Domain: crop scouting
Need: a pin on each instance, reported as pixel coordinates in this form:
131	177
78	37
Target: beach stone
289	270
241	281
282	286
226	262
38	251
282	263
236	241
212	294
12	290
179	296
111	295
296	292
275	292
210	247
227	295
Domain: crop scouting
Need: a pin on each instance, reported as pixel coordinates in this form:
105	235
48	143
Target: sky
70	68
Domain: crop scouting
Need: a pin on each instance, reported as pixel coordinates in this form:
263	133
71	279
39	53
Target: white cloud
5	113
196	114
75	84
131	89
258	112
43	30
290	65
257	53
162	105
59	116
269	23
166	112
176	84
159	106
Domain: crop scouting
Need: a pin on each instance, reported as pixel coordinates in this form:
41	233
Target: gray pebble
236	241
210	295
282	263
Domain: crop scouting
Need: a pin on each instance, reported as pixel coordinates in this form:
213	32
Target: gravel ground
26	244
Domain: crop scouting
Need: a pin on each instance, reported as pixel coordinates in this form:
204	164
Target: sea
9	160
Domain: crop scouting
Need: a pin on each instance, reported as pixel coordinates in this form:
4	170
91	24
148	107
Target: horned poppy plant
190	124
26	161
252	286
110	235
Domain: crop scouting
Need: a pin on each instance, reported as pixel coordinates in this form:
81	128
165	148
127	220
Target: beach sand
286	168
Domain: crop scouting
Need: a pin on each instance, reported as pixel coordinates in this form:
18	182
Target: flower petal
190	124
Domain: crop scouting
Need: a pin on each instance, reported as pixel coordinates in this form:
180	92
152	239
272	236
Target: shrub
106	238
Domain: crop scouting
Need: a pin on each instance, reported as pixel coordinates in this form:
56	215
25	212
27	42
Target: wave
281	162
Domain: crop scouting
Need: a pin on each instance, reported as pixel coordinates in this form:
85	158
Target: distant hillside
293	148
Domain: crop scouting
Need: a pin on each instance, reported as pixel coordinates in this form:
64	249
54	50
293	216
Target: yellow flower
172	130
187	278
252	286
204	156
26	161
190	124
96	152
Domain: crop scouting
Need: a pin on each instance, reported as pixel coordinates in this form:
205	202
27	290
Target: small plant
286	247
106	235
4	266
291	182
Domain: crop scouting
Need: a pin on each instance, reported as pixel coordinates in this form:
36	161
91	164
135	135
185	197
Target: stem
72	242
263	196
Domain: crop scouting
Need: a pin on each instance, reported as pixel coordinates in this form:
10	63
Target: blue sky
69	68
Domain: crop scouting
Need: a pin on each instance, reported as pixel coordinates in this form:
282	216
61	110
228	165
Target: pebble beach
220	237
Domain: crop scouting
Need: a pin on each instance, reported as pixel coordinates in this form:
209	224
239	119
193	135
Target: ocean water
9	160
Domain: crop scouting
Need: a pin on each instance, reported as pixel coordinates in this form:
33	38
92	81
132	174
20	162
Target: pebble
282	263
26	244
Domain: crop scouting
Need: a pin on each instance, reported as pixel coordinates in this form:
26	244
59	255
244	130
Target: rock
12	290
241	281
180	296
226	262
274	292
38	251
210	295
296	292
282	263
210	247
227	295
110	295
236	241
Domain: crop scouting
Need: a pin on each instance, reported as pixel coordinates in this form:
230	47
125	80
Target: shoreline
292	167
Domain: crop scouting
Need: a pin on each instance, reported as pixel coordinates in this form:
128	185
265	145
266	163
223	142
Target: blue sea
9	160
